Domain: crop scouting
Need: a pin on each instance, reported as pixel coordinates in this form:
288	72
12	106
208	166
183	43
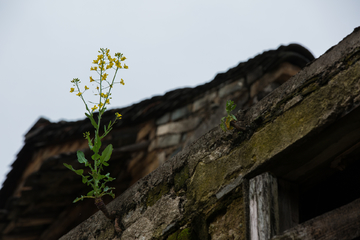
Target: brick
232	87
178	127
180	112
200	103
164	119
165	141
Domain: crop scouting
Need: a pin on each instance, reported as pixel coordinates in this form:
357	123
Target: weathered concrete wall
201	193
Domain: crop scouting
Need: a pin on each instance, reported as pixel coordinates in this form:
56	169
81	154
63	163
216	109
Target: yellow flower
107	101
78	94
118	115
97	87
105	76
126	67
118	64
86	88
122	82
91	79
95	61
93	68
100	105
94	108
109	65
72	89
123	58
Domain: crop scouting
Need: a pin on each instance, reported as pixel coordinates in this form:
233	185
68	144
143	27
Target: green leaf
90	145
89	142
68	166
97	143
95	157
92	120
78	199
91	193
99	177
107	129
109	179
106	154
78	172
112	194
233	117
230	106
81	158
107	189
85	179
222	124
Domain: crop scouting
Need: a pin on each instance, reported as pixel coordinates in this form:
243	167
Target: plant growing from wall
103	86
226	121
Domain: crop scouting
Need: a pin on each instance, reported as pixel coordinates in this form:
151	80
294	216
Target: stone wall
202	191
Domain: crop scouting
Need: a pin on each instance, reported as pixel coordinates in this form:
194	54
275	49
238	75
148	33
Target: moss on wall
180	178
184	234
156	193
305	117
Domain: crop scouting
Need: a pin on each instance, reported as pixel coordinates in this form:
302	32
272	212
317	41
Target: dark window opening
337	190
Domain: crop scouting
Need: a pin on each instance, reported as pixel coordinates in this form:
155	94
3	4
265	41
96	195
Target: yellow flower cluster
103	63
118	115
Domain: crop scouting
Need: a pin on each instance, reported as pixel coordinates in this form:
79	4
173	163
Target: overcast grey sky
169	44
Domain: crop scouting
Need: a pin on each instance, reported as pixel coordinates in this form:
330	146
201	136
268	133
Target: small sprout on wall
225	121
102	91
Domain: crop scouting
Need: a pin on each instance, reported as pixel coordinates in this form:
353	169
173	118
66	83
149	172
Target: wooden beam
288	204
31	222
341	223
133	147
20	237
264	209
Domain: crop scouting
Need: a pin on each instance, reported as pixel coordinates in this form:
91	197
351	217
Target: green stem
81	96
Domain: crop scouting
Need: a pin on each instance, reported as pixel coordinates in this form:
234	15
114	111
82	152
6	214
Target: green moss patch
184	234
156	193
180	178
313	111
